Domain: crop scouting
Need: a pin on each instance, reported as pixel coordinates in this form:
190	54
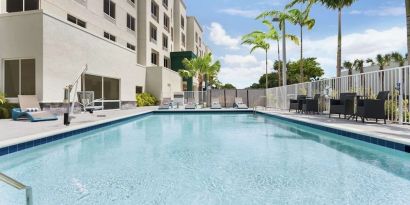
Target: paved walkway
392	132
14	132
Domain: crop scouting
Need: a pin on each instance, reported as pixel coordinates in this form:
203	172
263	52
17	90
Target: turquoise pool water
208	159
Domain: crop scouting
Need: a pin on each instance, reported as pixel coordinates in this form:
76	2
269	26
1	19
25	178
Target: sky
369	27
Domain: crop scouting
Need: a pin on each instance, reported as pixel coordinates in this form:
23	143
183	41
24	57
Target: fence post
400	97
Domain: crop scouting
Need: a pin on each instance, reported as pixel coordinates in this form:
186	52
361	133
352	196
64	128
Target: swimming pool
208	159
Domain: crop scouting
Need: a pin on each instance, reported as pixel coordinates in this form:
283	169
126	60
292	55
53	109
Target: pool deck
15	132
391	132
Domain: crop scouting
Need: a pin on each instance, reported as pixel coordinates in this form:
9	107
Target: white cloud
384	11
243	70
240	12
219	37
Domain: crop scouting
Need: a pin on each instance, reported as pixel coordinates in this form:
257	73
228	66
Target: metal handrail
16	184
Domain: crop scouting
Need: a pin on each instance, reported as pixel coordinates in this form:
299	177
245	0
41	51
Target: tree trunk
408	29
339	44
266	71
279	66
301	55
200	80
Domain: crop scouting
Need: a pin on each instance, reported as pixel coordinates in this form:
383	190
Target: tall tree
338	5
302	19
398	58
257	40
359	66
382	62
200	67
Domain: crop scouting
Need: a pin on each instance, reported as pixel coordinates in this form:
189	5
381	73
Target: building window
153	33
183	39
154	10
77	21
154	57
138	89
132	2
22	5
130	22
200	41
172	34
182	22
109	8
166	62
165	3
106	89
19	77
166	22
196	37
197	50
165	42
130	46
109	36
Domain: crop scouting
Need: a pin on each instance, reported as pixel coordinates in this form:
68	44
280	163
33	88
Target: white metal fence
395	80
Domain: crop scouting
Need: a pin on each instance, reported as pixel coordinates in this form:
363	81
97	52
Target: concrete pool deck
391	132
15	132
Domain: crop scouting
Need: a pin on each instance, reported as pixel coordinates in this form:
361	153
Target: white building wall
16	44
195	37
163	82
179	11
103	57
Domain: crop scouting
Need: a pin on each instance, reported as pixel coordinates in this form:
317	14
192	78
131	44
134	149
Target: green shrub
146	99
5	110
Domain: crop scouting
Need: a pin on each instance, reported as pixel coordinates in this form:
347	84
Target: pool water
208	159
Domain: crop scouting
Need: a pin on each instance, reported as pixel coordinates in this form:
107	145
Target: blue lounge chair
30	109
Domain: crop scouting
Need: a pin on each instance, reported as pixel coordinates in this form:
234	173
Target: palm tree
398	58
282	17
370	61
349	66
382	62
335	5
200	67
273	34
359	66
302	19
257	40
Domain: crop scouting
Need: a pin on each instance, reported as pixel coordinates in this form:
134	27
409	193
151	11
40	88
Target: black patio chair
311	105
297	104
373	108
343	106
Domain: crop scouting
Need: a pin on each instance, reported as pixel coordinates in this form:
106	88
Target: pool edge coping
22	143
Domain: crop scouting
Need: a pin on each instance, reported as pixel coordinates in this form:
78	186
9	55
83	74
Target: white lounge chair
215	104
165	104
30	109
239	104
87	101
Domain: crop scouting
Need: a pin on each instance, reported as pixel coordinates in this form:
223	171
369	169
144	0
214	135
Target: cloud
241	12
243	70
383	11
219	37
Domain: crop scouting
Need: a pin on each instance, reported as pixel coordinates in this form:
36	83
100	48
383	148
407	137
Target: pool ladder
14	183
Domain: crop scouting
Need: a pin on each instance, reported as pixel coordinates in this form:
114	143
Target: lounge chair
30	109
165	104
297	104
239	104
343	106
311	105
87	101
215	104
191	105
373	108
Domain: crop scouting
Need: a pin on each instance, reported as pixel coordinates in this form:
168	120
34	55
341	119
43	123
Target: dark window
109	36
20	77
166	62
154	10
138	89
183	39
182	22
21	5
166	22
153	33
154	58
165	3
130	22
77	21
109	8
130	46
165	41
